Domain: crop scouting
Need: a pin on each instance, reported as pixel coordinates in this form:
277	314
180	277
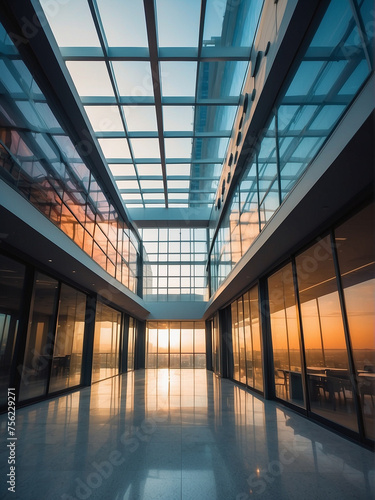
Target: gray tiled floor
178	434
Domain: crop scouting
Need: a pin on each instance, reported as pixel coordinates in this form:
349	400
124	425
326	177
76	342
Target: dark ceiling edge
45	63
346	183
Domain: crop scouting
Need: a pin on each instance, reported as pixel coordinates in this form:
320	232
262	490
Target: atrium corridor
180	434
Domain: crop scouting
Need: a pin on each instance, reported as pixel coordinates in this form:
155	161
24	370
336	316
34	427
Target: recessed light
49	260
73	272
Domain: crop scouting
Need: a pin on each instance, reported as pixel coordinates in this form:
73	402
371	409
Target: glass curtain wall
216	349
306	112
175	344
39	160
131	343
40	338
246	340
106	355
335	283
330	387
355	243
287	362
12	276
68	345
175	264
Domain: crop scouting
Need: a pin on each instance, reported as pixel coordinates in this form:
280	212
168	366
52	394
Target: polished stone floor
178	434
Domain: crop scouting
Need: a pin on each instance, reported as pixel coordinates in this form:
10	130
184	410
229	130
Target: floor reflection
179	434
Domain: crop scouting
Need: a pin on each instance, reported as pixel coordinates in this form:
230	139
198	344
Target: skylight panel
183	184
132	184
243	16
124	23
133	78
146	184
71	23
220	79
145	148
105	118
153	196
214	118
90	78
131	196
114	148
214	147
140	118
178	78
178	22
177	148
178	196
180	169
150	169
125	169
179	118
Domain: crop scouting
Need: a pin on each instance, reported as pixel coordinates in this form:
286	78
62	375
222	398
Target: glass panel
175	334
181	169
124	169
175	338
133	78
163	338
178	78
256	337
200	361
11	288
219	79
40	338
330	388
178	22
90	78
140	118
242	16
236	358
124	23
241	342
131	343
187	338
214	118
105	118
67	353
152	342
114	148
267	174
145	148
355	242
145	184
187	361
249	219
178	118
77	16
178	148
200	340
106	342
216	348
248	341
148	169
285	337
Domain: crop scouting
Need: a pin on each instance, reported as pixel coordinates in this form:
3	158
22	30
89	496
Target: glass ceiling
160	82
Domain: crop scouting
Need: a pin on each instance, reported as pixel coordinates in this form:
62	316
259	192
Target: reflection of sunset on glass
359	300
